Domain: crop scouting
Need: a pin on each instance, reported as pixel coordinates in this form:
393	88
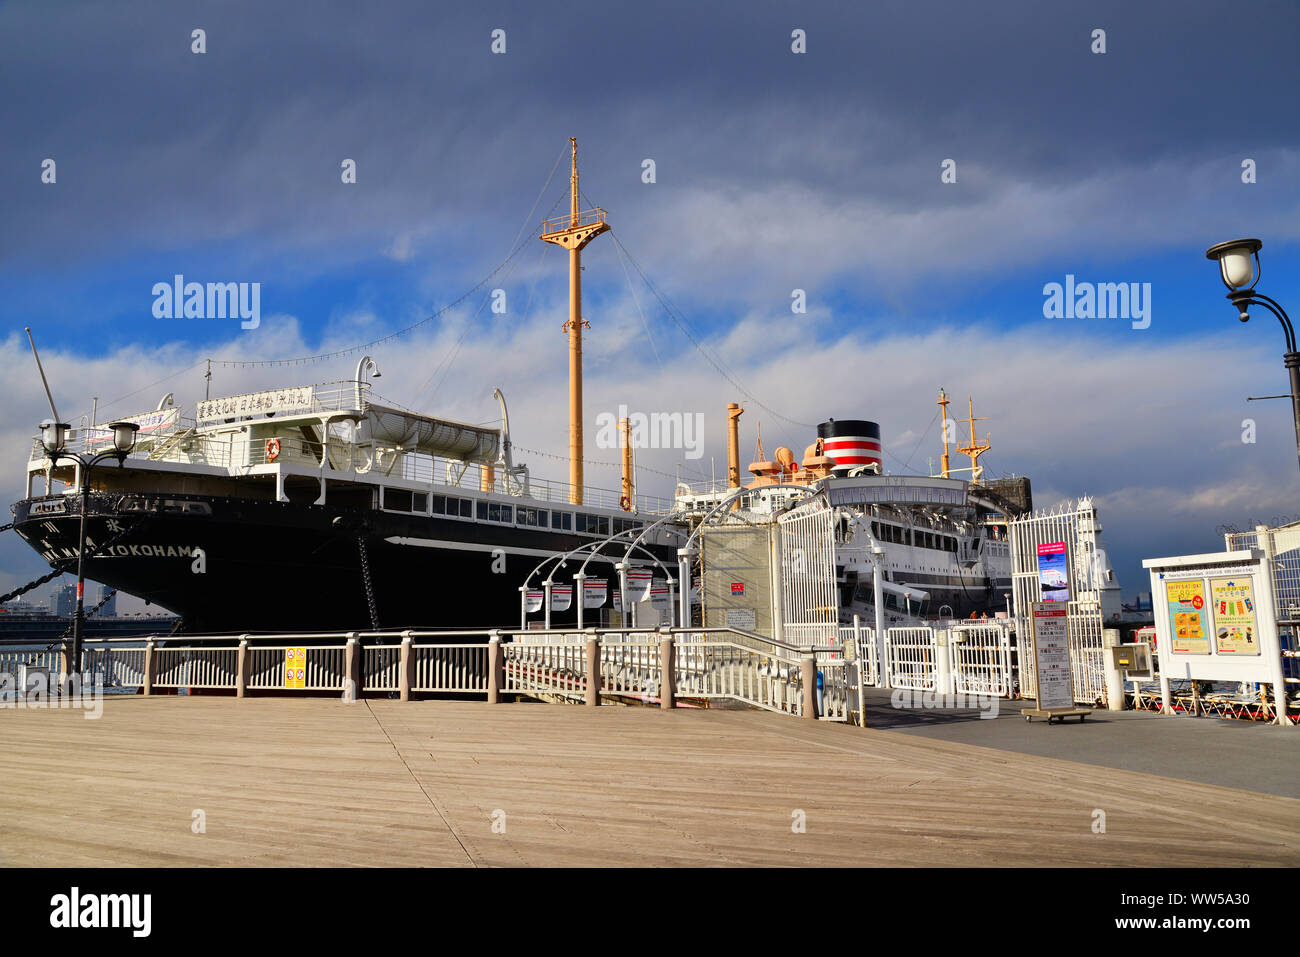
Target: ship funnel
851	443
734	412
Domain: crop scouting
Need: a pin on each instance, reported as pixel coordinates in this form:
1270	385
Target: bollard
495	668
406	668
242	668
808	676
593	672
945	649
63	683
352	655
667	672
150	666
1110	638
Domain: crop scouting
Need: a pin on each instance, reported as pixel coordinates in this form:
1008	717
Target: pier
309	781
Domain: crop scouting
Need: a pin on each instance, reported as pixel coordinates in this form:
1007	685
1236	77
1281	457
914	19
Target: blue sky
775	171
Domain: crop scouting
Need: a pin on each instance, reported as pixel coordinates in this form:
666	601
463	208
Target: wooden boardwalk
316	782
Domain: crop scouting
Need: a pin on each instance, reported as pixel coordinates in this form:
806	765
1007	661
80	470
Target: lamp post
1239	270
54	439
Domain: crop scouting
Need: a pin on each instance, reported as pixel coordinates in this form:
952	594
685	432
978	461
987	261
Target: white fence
911	658
196	667
460	668
554	668
981	660
1077	525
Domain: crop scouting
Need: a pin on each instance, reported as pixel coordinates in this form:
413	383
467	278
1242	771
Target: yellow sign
1236	630
1188	617
295	667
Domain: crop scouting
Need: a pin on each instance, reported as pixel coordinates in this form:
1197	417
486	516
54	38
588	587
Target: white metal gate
911	659
981	660
1076	526
810	608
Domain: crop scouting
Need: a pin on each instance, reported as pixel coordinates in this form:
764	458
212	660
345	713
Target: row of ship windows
884	532
404	500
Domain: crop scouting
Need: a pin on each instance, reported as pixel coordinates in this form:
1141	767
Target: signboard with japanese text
1054	677
298	399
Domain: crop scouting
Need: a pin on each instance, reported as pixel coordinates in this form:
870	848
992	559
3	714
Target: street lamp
1239	270
54	439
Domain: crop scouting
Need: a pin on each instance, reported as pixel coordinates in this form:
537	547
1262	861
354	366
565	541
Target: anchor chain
365	578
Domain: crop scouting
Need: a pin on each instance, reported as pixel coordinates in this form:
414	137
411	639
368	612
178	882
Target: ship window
439	503
466	507
482	511
501	513
602	525
530	516
562	520
420	502
397	500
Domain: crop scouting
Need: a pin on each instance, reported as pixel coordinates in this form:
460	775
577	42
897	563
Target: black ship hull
243	566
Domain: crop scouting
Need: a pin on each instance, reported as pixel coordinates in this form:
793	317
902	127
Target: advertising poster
1188	617
1052	657
1053	572
1236	632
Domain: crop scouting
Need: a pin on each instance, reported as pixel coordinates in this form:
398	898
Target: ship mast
943	409
974	449
573	232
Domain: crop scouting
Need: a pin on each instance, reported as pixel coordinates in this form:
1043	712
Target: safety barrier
911	659
558	669
196	667
447	668
981	660
707	664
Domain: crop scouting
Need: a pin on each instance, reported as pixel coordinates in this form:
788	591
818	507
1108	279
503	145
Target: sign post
1054	676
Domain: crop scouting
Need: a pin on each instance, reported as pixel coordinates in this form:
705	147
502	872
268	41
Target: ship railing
588	217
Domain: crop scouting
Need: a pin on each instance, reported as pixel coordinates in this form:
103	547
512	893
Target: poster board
1054	676
1236	627
1054	572
1189	617
1242	578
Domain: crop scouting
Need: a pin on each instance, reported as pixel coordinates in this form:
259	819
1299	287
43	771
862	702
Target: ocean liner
324	508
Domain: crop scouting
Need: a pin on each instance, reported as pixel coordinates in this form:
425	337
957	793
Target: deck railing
716	664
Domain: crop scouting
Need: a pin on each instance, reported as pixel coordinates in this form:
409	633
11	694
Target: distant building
109	609
65	600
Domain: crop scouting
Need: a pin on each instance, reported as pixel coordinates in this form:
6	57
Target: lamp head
124	436
54	436
1238	262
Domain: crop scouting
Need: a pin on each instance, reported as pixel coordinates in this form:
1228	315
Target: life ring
272	449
